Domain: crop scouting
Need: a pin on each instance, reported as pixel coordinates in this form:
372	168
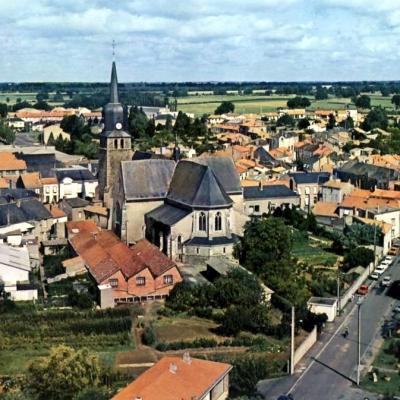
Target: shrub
149	335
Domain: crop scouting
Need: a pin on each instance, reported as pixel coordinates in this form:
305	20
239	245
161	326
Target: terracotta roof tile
191	380
325	209
31	180
8	162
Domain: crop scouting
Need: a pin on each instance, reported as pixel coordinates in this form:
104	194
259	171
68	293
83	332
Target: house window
256	208
218	221
202	222
140	281
115	143
168	279
113	283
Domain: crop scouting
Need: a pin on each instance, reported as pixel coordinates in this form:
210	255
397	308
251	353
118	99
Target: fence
353	288
305	346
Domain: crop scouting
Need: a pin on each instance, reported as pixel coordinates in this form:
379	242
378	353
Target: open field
206	104
312	252
30	97
103	332
188	328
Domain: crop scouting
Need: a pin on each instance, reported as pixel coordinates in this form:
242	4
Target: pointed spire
114	85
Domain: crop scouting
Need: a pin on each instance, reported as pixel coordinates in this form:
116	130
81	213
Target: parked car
379	270
363	290
394	251
386	263
396	309
374	276
386	281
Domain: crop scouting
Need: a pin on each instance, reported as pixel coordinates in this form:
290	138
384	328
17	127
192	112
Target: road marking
322	350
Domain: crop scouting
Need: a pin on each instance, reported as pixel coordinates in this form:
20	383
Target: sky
200	40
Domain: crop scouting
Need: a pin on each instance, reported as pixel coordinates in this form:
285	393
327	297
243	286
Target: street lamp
359	303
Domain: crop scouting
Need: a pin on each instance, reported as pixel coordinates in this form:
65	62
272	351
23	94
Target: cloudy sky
200	40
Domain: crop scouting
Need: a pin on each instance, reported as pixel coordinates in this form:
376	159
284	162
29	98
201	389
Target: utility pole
359	302
338	293
292	343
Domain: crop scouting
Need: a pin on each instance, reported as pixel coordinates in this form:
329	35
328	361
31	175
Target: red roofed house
176	378
123	275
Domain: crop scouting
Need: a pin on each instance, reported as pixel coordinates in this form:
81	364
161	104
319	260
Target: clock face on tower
118	125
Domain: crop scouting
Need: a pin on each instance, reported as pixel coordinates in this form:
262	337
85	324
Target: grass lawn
184	328
382	386
386	360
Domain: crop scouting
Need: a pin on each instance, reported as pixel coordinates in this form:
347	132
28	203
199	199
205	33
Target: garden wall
305	346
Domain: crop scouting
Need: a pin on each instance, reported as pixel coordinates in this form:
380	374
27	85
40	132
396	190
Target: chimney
261	185
186	358
173	368
138	398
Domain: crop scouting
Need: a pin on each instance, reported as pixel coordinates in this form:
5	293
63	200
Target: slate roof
77	202
35	210
196	186
43	163
29	210
76	174
146	179
225	171
17	194
216	241
167	214
310	177
146	155
271	191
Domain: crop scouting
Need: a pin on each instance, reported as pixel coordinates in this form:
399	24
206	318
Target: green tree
358	256
63	374
92	393
50	140
362	101
42	105
225	107
42	96
376	118
6	134
331	122
348	123
3	110
298	102
321	93
137	122
396	101
303	123
285	120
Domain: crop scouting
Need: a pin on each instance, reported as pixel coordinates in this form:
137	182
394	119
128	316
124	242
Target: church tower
115	143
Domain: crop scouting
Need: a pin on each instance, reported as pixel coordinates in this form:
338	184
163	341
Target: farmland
206	104
103	332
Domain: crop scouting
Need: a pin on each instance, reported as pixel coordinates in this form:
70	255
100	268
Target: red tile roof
190	380
104	254
8	162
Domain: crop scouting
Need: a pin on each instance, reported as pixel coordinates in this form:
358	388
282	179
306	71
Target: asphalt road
330	372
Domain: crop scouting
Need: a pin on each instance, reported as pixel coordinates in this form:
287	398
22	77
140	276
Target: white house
76	181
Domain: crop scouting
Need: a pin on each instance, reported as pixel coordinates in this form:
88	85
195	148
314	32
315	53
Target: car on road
374	276
394	251
386	281
363	290
379	270
386	263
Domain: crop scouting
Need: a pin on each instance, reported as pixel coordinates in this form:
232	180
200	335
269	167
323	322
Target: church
190	209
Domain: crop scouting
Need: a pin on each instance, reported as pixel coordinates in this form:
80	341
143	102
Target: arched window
202	222
218	221
115	143
122	143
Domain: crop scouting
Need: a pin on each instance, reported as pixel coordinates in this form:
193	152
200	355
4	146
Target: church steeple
114	85
113	111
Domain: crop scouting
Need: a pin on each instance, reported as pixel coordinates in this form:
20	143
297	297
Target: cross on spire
113	49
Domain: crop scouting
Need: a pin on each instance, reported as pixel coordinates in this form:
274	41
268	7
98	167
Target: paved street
329	369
